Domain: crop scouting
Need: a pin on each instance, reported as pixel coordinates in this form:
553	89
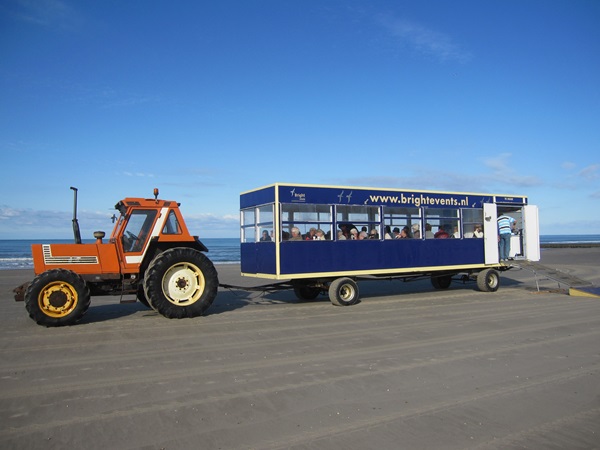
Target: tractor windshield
137	230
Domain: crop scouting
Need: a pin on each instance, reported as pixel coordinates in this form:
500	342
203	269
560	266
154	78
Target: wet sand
408	367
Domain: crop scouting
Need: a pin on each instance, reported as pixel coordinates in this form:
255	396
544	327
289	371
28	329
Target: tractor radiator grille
62	260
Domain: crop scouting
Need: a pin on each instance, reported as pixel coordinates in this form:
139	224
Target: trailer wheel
441	282
181	282
304	292
57	297
343	292
488	280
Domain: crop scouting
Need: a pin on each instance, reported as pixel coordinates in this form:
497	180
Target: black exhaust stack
76	231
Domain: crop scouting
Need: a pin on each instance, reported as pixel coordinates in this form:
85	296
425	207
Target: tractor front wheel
57	297
181	282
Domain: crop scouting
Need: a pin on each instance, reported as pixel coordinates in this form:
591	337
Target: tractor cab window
172	224
137	230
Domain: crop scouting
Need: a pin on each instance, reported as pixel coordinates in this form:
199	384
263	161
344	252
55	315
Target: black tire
343	292
304	292
488	280
441	281
57	297
181	282
141	296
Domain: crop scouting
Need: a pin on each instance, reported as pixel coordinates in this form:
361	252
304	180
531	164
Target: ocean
16	254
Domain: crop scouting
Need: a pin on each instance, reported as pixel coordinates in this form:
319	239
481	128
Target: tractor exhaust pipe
76	232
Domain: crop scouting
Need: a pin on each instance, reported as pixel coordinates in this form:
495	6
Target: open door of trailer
490	233
531	233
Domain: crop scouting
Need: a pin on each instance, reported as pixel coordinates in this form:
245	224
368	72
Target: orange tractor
150	254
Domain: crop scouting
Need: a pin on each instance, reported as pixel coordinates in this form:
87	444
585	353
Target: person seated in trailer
373	234
441	233
416	232
340	236
311	235
363	235
428	233
320	235
478	231
388	233
396	232
346	227
353	234
295	234
265	236
405	233
456	233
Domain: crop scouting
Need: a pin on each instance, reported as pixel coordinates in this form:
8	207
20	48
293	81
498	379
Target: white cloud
423	39
503	174
138	174
500	178
31	224
7	213
498	163
590	172
54	14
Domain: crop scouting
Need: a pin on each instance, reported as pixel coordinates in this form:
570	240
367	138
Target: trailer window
472	220
264	223
308	218
442	223
359	217
257	224
397	217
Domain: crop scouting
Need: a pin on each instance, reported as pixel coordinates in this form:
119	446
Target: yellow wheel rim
183	284
58	299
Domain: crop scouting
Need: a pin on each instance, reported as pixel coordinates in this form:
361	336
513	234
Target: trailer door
490	233
531	233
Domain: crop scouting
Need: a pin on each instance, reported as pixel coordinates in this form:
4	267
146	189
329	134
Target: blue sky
206	99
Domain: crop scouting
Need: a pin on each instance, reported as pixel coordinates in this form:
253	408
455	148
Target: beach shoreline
457	368
571	245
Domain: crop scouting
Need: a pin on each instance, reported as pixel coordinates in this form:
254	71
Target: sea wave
16	263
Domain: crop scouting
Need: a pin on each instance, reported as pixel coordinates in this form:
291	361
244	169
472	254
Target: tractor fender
201	246
156	247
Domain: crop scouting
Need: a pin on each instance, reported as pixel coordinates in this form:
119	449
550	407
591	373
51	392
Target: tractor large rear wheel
57	297
141	297
181	282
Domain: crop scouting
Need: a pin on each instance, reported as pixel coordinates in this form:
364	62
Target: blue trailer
325	238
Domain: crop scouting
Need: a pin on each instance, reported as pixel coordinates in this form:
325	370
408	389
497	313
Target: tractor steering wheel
133	240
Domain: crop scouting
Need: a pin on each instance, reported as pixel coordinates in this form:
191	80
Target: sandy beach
409	367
